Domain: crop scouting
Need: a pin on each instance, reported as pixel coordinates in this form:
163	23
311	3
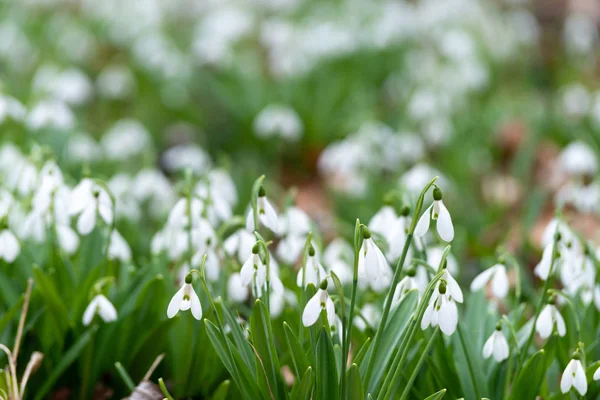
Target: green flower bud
188	278
311	251
499	326
261	192
323	284
255	248
437	194
405	211
442	287
366	233
411	272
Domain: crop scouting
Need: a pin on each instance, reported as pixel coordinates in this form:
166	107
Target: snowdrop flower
397	235
23	177
372	264
11	108
237	292
434	258
239	244
547	319
185	299
405	285
338	256
279	120
252	269
497	274
266	214
118	248
294	225
320	301
89	200
441	311
126	138
186	212
439	212
83	148
574	376
50	114
115	82
597	375
578	159
103	307
382	221
9	246
314	271
496	345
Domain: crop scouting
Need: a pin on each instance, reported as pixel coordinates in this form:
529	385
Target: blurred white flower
125	139
580	33
497	274
118	248
88	199
82	148
372	314
11	109
240	244
103	307
9	246
186	156
50	114
278	120
235	290
405	285
575	101
546	321
116	82
578	159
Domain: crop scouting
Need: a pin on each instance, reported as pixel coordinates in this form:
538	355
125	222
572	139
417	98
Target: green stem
125	376
303	288
164	390
412	378
469	364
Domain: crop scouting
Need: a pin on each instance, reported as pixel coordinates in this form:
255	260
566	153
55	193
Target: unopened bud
188	278
437	194
366	233
255	248
405	211
323	284
311	251
442	287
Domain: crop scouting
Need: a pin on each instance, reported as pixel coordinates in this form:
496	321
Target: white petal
176	300
330	310
235	290
448	317
566	381
500	283
87	220
580	381
105	213
247	271
106	310
597	374
90	311
444	223
453	288
488	347
544	323
500	347
560	322
67	238
268	215
10	246
371	260
542	270
428	315
423	224
312	310
482	279
196	306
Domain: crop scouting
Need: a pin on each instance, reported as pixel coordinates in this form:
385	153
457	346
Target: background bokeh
342	104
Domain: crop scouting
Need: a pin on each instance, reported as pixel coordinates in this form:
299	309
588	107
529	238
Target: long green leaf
222	391
530	378
303	389
296	352
327	385
355	385
437	395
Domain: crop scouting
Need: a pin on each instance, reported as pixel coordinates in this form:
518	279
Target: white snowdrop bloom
103	307
441	311
338	249
546	321
382	221
82	148
253	270
580	33
126	204
372	315
22	177
574	376
211	267
239	244
290	248
72	86
372	264
89	200
405	285
597	375
578	159
186	212
320	301
10	156
313	273
294	221
125	139
266	214
34	227
576	100
6	202
557	226
11	109
237	292
50	114
118	248
542	269
397	235
453	289
221	183
51	179
278	120
185	299
497	274
180	157
496	345
9	246
116	82
439	212
434	258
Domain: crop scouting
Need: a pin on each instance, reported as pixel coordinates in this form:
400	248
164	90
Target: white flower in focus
185	299
497	274
372	264
320	301
496	345
574	376
439	212
546	321
266	214
441	311
103	307
9	246
253	269
278	120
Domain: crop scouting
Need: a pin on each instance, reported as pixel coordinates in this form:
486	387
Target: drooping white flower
497	274
185	299
9	246
542	269
118	248
372	264
294	226
89	199
240	244
405	285
441	311
313	273
574	376
382	221
186	212
338	256
278	120
103	307
266	214
125	139
578	159
453	289
320	301
237	292
546	321
253	269
436	211
597	374
397	236
496	345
